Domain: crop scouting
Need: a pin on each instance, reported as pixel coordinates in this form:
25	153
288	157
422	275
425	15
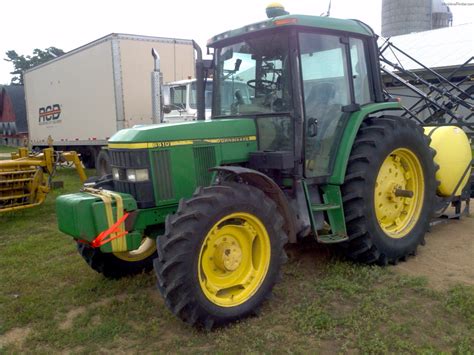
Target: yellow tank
453	155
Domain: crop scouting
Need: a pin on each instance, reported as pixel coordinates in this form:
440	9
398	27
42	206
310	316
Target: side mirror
166	109
237	64
208	64
229	53
166	93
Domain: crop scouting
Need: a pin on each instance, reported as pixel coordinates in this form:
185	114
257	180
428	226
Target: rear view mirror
237	64
166	95
208	64
227	54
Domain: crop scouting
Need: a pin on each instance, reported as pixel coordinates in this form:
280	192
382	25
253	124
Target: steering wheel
265	84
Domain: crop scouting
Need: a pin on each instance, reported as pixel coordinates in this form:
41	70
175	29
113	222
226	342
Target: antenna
328	13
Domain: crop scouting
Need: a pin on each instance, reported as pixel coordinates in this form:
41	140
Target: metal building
406	16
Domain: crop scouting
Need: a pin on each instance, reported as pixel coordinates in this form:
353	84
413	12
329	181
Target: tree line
23	62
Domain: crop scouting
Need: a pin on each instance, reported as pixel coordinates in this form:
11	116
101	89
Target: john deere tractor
310	149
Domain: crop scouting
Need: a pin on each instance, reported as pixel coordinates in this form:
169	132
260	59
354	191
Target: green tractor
311	149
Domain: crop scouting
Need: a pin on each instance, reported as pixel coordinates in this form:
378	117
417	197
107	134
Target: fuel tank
453	155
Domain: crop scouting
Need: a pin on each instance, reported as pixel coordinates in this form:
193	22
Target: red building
13	123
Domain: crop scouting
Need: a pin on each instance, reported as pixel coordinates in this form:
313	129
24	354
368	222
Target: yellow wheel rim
399	193
234	259
147	248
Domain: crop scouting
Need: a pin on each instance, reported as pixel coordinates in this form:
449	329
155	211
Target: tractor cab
306	75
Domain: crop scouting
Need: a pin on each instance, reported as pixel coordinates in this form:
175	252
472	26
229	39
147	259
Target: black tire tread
172	267
371	135
111	266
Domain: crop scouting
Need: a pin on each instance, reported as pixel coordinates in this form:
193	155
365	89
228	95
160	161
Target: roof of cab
327	23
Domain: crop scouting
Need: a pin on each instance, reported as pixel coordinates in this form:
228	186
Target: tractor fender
270	188
354	122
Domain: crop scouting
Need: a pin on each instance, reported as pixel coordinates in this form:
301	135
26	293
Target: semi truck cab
180	103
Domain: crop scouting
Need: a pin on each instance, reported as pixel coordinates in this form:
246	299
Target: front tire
390	160
118	265
221	254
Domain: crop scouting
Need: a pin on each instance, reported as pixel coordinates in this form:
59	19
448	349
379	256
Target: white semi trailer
79	100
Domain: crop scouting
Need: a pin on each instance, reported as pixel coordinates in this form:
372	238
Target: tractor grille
130	159
133	159
204	158
162	172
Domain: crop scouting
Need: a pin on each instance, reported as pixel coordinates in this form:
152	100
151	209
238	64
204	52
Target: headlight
137	175
115	173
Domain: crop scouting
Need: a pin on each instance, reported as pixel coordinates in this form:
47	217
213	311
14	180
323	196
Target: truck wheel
220	255
389	190
102	163
88	157
117	265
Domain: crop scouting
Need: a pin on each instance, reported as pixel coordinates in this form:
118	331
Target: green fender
349	135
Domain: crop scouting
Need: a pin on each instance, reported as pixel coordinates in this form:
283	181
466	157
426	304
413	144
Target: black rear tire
178	265
376	139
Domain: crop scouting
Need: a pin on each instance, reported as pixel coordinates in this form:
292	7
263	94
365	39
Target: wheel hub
390	179
228	255
234	259
398	194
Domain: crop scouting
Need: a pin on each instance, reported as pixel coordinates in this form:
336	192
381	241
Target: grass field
52	302
6	149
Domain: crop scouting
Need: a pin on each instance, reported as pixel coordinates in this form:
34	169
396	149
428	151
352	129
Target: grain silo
406	16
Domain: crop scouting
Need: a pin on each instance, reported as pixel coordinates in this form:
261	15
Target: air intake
162	172
204	159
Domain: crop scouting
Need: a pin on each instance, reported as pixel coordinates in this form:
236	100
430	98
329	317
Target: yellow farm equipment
26	178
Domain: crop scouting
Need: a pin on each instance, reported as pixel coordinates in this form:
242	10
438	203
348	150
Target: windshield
252	77
207	96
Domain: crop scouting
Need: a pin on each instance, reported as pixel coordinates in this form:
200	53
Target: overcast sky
29	24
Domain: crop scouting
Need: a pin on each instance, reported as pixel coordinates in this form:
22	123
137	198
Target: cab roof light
285	21
275	9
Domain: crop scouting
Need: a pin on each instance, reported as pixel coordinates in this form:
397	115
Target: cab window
326	88
360	75
178	97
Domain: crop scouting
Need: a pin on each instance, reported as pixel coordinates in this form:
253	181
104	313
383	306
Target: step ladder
335	214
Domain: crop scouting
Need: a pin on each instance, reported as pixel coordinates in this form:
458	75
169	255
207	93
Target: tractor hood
150	135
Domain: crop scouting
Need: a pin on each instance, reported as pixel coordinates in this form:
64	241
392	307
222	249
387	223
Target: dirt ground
448	256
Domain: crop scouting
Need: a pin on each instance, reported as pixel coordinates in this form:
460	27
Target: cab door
327	92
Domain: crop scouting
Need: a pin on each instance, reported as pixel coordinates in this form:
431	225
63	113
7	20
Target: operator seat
321	105
319	96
